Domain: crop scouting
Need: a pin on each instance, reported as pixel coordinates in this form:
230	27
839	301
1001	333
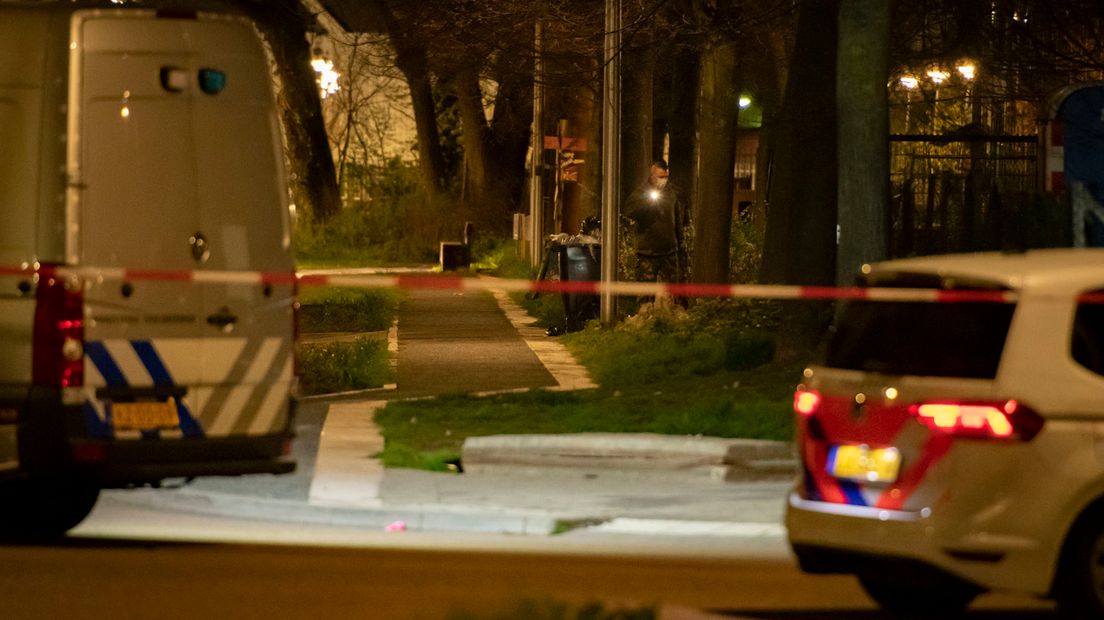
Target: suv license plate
864	464
144	415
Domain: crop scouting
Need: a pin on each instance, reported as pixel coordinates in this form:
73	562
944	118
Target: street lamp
910	84
938	76
327	77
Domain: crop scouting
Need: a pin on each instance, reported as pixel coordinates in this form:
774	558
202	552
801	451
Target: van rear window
925	339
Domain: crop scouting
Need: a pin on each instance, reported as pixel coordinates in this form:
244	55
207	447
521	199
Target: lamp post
910	84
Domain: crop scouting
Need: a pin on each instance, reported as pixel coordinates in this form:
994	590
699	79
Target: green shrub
666	343
341	366
336	309
500	256
746	248
399	223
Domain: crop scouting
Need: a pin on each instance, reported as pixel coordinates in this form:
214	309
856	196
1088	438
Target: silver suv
955	446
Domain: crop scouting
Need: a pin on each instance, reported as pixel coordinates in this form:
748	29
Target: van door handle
222	319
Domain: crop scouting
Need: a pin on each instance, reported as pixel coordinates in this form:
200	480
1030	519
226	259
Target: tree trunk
636	118
510	130
411	60
863	134
313	179
717	120
800	245
474	136
682	120
508	138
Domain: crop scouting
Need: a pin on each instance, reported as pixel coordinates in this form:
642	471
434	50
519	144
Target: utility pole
611	157
536	154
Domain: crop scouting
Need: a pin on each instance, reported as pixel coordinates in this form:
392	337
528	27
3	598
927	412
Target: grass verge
427	434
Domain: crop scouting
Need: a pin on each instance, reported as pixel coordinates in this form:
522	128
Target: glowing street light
744	102
909	82
967	70
938	76
327	77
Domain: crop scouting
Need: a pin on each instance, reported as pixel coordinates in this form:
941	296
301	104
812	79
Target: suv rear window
925	339
1087	344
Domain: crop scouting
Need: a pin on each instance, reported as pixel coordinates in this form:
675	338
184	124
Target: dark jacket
659	221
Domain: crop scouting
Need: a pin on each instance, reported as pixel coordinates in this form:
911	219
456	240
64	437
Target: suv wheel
919	601
1080	586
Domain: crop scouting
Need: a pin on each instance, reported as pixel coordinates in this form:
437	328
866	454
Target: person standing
660	220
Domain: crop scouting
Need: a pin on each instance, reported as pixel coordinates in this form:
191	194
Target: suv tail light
806	402
981	420
58	356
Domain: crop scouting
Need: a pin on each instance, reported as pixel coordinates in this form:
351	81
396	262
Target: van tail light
1007	420
58	354
806	402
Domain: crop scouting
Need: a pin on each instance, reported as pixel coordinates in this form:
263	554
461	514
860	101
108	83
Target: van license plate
864	464
144	416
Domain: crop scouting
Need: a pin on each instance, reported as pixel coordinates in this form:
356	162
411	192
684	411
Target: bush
399	223
336	309
668	343
341	366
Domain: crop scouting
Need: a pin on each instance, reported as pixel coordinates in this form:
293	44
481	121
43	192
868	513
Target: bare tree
284	24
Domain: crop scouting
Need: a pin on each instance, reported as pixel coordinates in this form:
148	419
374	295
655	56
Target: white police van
140	170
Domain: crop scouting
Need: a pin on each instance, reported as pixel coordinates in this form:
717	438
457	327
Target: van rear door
136	177
178	172
245	227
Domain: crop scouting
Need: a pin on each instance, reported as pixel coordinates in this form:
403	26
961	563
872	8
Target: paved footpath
461	341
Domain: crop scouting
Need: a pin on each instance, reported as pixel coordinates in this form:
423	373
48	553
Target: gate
964	192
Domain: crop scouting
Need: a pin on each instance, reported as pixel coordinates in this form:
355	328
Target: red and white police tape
443	282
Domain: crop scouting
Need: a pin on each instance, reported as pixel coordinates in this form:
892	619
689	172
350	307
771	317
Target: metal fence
969	193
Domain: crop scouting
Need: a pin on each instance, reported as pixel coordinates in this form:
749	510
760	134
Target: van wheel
1079	589
46	507
916	601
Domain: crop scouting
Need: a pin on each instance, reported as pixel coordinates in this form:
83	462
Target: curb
716	458
424	518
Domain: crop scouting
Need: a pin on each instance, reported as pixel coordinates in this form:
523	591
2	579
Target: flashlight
654	195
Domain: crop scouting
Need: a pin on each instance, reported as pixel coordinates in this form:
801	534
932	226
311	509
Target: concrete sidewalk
593	484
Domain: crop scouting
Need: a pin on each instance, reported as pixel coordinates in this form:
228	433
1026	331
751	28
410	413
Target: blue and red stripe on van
100	425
